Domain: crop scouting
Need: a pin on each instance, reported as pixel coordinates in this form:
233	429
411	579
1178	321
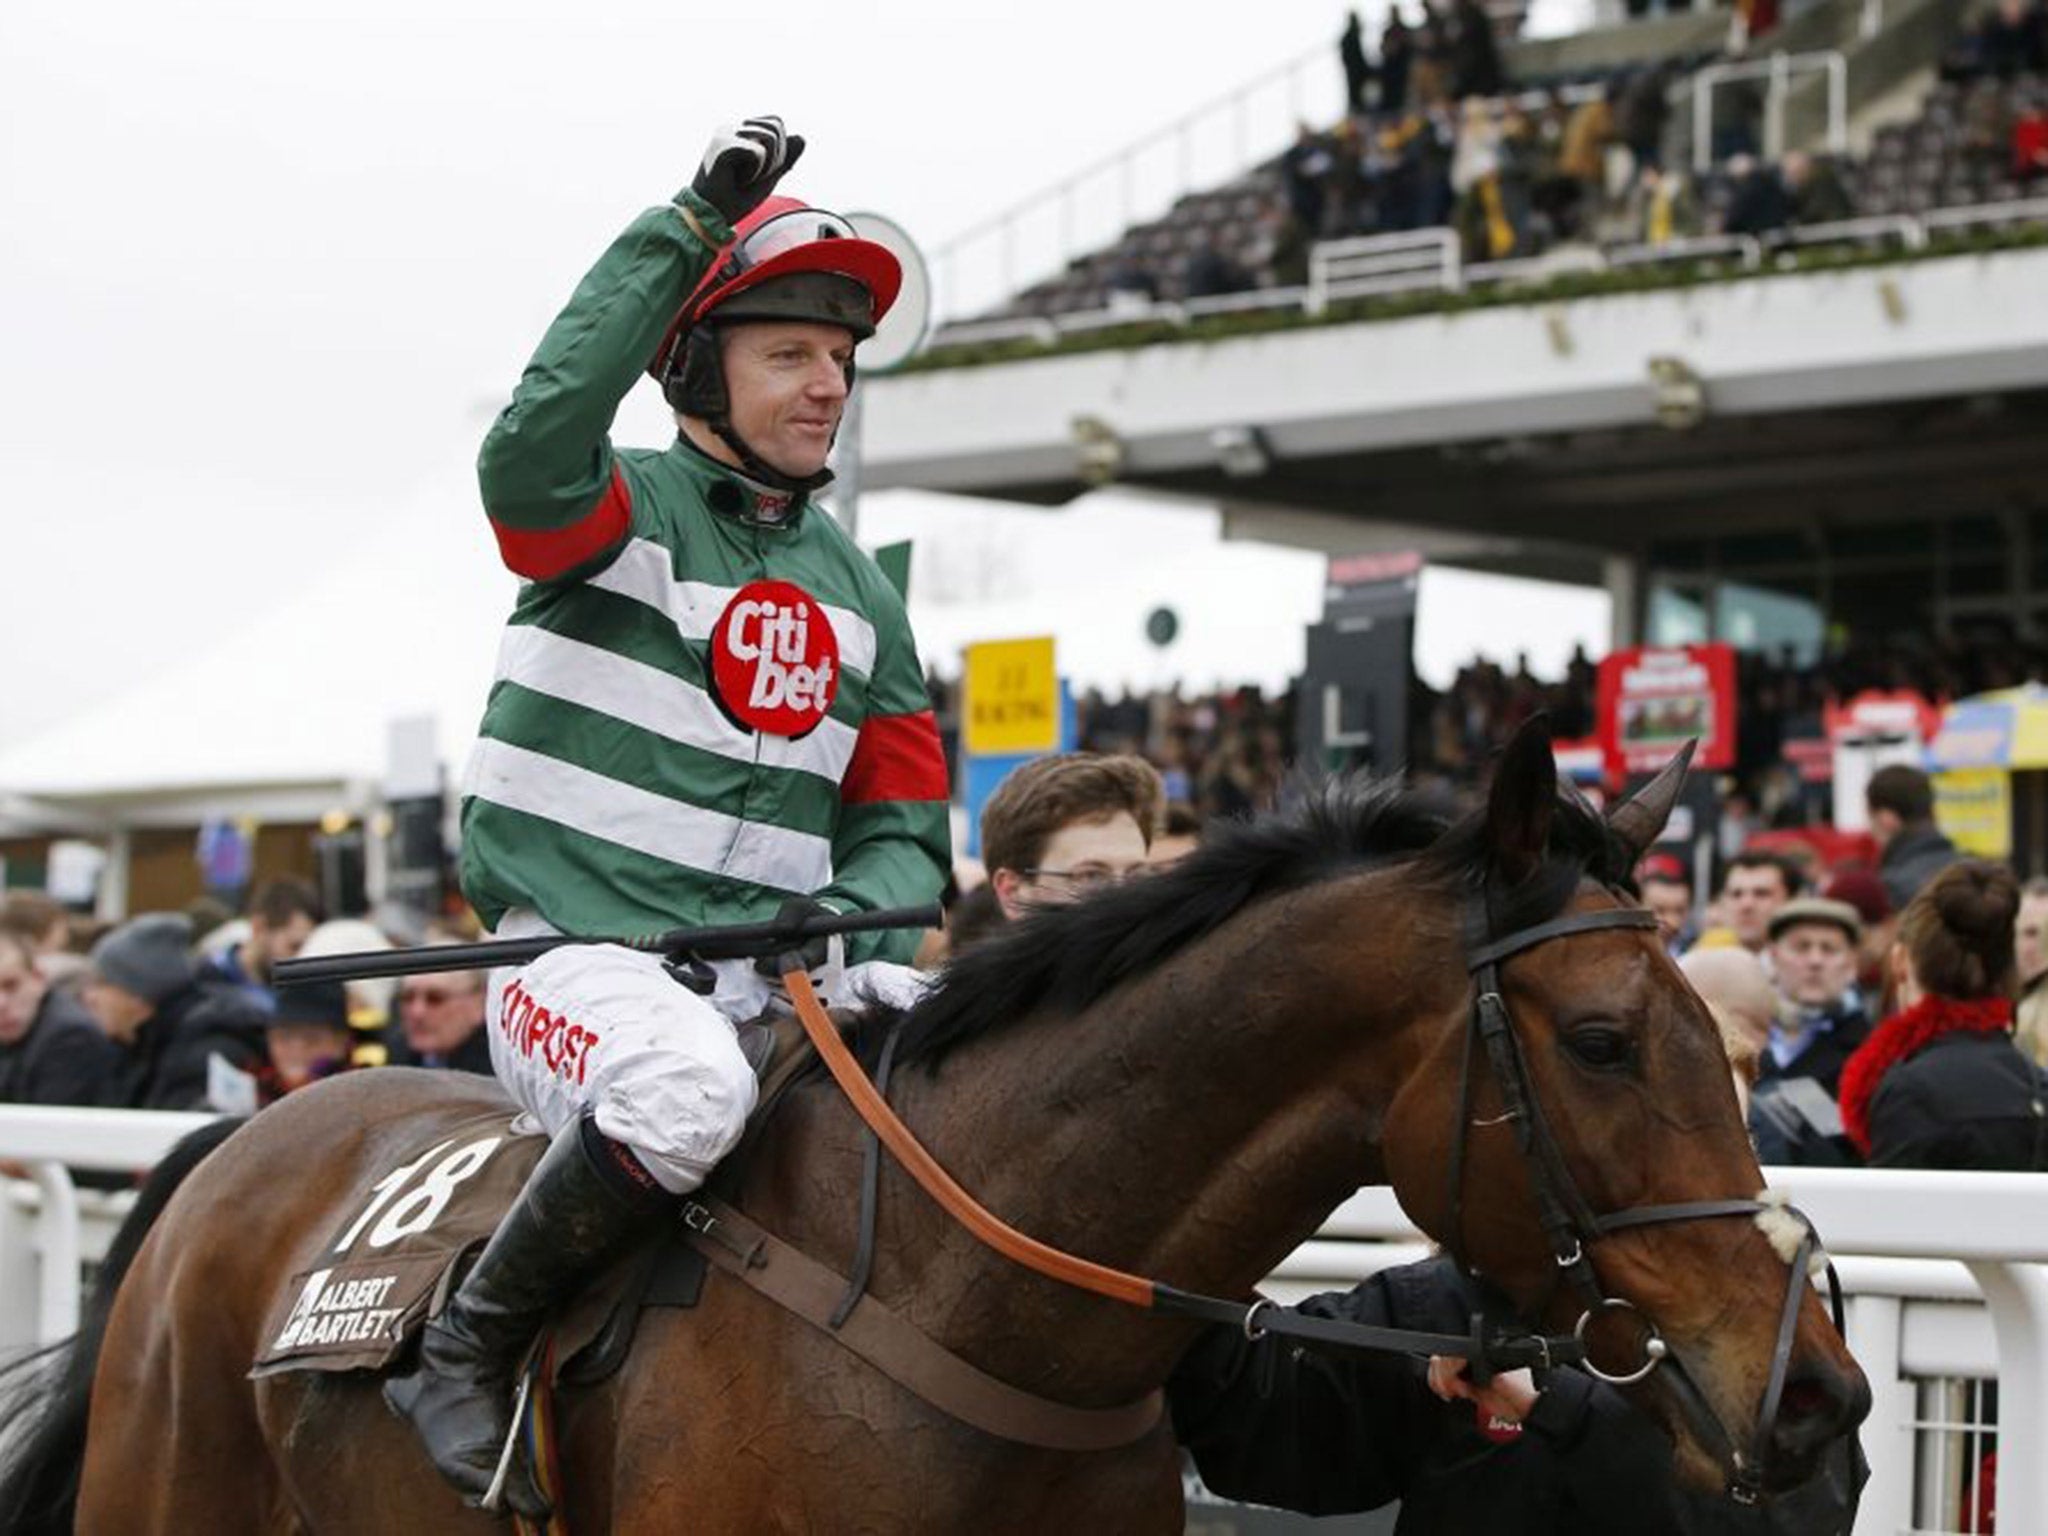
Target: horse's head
1631	1107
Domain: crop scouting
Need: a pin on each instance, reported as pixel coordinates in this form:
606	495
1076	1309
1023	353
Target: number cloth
708	698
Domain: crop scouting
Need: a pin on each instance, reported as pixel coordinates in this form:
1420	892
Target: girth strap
908	1357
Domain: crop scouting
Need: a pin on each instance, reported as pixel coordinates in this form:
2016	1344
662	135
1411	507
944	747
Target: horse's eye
1599	1047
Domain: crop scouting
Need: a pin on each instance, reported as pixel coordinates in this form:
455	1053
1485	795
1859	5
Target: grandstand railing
1204	149
1429	260
1926	1258
1778	70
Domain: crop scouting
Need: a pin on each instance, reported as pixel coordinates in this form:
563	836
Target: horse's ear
1639	818
1522	801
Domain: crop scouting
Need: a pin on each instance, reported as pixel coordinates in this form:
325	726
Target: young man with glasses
708	709
1062	827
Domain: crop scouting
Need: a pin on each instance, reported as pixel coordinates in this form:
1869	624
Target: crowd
158	1013
1435	134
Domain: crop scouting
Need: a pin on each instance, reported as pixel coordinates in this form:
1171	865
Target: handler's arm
1300	1431
557	497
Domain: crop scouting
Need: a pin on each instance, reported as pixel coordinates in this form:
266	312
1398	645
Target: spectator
308	1038
168	1020
51	1052
1060	827
1642	113
1901	802
441	1022
1940	1083
1211	273
1667	892
1661	207
1865	892
1758	203
1429	70
2013	39
2029	145
282	916
1814	190
1357	71
1756	886
43	921
1821	1018
2030	955
1475	57
1397	52
1304	170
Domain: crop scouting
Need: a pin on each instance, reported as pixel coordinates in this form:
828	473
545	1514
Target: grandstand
1780	430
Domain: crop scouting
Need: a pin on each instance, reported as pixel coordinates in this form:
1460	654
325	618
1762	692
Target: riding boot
584	1200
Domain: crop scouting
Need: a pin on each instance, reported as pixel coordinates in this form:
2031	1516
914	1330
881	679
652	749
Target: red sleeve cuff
898	757
539	554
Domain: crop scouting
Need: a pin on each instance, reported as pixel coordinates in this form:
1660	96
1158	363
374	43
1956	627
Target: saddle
411	1236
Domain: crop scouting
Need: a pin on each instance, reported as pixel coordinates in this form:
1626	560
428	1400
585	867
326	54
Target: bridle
1569	1224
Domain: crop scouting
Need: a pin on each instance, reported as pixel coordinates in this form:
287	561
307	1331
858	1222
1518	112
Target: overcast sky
267	268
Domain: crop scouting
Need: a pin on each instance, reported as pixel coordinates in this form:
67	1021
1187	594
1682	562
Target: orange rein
941	1185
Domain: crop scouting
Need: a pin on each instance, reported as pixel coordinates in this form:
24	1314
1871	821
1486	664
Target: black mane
1068	957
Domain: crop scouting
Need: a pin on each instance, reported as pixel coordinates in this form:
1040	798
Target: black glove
743	163
816	951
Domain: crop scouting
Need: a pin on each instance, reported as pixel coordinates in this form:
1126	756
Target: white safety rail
1431	260
1947	1277
1917	1251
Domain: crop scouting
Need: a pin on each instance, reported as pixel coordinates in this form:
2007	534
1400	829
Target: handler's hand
1509	1396
742	164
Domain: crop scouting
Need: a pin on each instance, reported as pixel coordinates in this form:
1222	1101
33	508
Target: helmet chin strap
759	469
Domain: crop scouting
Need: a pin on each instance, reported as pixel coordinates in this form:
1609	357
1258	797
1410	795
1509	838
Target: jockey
708	709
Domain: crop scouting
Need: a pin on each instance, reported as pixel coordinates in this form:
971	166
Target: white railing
1201	151
1912	1245
1917	1251
1778	70
1430	260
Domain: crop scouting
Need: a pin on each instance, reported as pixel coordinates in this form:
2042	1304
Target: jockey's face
1081	857
785	382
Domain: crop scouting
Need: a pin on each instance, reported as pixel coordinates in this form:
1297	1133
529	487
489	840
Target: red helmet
783	238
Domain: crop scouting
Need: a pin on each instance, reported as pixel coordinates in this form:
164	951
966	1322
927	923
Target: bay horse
1182	1076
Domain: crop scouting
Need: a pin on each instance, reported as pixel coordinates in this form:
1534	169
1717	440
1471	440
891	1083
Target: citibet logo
774	659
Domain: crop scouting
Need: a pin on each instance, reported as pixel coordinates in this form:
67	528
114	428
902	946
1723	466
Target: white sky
268	267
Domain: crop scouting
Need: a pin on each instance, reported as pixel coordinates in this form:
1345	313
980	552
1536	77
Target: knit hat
150	956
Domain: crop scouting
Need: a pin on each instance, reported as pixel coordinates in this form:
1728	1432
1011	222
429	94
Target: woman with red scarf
1940	1084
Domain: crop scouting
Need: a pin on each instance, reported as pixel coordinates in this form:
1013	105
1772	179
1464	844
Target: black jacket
1964	1100
1912	859
1827	1053
1324	1435
65	1058
473	1055
166	1067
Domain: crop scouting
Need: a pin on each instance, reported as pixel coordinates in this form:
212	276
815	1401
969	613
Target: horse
1182	1076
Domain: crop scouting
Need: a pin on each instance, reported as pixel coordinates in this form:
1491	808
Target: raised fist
742	164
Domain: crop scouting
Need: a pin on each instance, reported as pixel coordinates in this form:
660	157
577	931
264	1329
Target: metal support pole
2017	1295
1703	119
1774	109
56	1251
1838	104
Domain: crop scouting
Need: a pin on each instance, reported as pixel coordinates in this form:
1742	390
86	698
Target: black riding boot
584	1200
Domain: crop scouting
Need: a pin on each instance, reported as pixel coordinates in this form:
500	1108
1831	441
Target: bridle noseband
1570	1225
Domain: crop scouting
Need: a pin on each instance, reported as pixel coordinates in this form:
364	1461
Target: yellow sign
1974	807
1013	698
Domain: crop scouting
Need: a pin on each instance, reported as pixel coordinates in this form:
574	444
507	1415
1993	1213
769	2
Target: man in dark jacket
51	1052
145	990
1901	802
441	1023
1321	1435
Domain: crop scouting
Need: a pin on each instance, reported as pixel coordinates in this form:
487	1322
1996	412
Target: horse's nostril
1805	1399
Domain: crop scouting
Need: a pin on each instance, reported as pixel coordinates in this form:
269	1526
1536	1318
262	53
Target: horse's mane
1066	958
